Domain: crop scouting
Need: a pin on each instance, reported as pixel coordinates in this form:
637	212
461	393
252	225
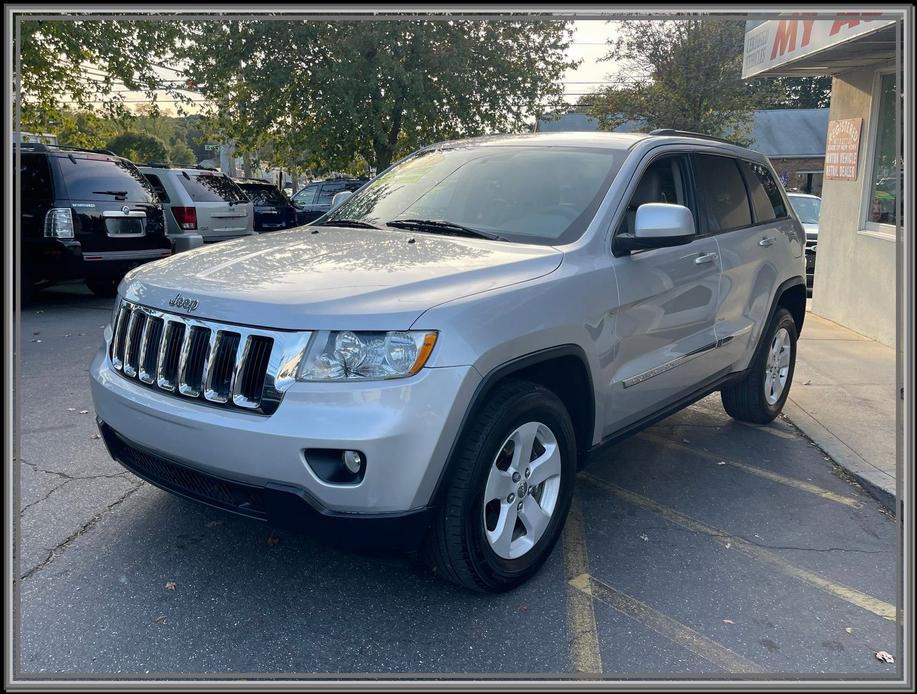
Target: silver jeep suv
428	364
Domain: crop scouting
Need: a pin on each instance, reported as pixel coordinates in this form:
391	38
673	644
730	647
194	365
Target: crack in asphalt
74	477
764	545
61	546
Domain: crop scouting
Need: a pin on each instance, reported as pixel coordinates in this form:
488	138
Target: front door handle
767	241
705	258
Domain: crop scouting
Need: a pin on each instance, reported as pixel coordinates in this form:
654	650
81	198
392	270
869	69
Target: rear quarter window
724	192
766	199
91	178
35	181
211	187
160	189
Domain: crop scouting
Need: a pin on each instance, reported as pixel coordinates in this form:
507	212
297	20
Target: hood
355	279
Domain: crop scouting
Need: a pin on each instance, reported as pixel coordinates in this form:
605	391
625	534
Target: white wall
855	274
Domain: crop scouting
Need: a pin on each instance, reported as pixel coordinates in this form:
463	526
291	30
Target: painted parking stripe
851	595
766	474
585	656
673	630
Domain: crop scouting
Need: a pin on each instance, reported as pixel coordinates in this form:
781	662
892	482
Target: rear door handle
767	241
705	258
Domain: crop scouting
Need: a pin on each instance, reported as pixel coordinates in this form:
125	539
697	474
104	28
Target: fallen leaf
171	585
36	340
728	621
807	383
849	630
523	608
728	545
96	436
885	657
644	538
685	441
71	409
722	462
84	411
272	539
213	524
161	619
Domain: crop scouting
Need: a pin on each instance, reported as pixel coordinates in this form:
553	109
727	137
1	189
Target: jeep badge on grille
183	302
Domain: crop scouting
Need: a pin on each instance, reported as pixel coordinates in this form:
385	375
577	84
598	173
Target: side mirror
340	198
658	225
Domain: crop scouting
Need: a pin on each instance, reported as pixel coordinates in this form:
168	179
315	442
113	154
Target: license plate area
125	226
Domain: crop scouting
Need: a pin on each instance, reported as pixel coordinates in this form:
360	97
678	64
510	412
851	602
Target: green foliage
89	66
139	147
687	74
323	93
683	74
182	155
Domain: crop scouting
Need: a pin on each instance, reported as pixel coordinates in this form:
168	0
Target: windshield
807	209
103	179
544	195
262	194
211	187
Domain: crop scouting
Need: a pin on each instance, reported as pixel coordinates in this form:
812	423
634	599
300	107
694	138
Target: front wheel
760	395
509	491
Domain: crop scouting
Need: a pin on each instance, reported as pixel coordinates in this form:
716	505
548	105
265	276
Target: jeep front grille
215	363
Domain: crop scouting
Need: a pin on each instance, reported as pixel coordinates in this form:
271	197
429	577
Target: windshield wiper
441	226
116	193
356	223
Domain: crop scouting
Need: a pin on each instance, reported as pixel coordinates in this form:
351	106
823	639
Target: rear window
103	179
765	193
263	195
724	192
211	187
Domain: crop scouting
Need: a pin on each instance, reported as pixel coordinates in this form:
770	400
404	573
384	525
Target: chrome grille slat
220	364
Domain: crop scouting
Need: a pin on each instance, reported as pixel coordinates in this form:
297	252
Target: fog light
353	461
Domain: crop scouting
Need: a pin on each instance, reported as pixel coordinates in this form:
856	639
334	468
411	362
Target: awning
799	45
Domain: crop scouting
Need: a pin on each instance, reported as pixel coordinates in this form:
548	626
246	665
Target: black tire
456	546
104	287
746	399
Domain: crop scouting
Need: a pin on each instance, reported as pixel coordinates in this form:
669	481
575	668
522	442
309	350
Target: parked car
202	205
314	200
808	209
272	209
84	214
431	364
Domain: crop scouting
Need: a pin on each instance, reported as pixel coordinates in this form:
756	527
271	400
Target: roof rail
34	146
157	165
41	147
688	133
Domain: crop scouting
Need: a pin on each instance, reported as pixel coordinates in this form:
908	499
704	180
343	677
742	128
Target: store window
885	180
809	182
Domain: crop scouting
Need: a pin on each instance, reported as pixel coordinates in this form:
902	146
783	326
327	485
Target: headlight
352	356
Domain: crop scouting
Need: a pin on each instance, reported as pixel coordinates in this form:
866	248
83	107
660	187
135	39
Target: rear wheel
510	489
103	286
760	395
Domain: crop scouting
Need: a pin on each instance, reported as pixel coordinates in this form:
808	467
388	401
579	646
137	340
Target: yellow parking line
851	595
766	474
673	630
584	641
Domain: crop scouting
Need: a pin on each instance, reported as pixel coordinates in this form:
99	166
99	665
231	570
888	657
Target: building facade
861	212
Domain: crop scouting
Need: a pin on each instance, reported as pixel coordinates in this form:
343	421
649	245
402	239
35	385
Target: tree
683	74
793	92
182	155
139	147
325	93
89	65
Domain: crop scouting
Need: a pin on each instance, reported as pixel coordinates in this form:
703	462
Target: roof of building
783	132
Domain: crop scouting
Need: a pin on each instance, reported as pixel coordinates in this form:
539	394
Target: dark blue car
273	210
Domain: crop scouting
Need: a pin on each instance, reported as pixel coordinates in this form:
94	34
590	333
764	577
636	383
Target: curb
875	482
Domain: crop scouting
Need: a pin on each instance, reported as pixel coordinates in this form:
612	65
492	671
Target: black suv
85	214
314	200
272	209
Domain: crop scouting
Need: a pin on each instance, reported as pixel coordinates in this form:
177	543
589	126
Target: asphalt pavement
702	547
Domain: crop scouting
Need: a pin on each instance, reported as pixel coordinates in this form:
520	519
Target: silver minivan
200	205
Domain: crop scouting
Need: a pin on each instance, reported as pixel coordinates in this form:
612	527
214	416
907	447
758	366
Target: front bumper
405	429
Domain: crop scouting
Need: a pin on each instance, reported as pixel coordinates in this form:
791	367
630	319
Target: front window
807	209
542	195
263	195
885	166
